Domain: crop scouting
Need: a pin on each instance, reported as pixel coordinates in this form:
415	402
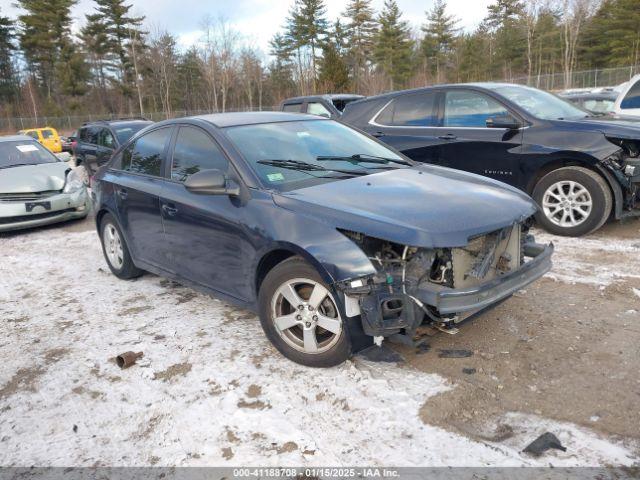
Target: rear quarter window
292	107
632	98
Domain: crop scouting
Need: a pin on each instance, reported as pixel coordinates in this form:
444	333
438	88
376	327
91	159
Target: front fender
334	256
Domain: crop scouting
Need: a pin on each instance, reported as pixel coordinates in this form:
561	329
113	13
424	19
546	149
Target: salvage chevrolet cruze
332	237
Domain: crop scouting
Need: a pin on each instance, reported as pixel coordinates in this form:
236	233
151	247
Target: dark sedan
331	236
582	169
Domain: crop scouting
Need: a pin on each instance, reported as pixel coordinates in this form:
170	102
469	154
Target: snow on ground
210	390
595	260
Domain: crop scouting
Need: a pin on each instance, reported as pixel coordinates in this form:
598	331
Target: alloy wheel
567	203
113	246
306	316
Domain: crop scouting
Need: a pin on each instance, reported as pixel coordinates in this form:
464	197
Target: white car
628	102
36	188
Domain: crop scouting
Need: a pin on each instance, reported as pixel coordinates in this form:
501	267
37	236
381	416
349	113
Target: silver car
36	188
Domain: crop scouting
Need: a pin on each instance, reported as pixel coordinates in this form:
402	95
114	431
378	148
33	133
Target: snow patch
210	390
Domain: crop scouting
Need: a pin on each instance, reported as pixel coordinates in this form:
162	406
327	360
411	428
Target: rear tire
574	201
115	249
300	316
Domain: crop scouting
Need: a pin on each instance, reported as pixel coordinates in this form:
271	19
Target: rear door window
90	135
414	110
145	155
195	150
464	108
632	98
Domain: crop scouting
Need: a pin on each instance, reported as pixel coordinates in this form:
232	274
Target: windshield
540	104
24	152
336	150
125	133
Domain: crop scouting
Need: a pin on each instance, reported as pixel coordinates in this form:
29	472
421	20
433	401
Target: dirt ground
567	351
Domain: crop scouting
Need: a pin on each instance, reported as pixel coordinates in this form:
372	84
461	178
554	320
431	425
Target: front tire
574	201
115	249
300	316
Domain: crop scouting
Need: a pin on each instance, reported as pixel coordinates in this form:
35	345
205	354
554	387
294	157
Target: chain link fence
69	123
605	77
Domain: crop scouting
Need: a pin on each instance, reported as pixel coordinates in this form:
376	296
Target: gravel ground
561	356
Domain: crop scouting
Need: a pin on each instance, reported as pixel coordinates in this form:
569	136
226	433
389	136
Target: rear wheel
115	250
300	316
574	201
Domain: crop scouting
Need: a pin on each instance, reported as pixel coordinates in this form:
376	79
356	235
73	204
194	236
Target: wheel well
555	165
99	216
269	261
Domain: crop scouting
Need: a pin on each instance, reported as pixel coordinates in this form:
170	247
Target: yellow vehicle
47	136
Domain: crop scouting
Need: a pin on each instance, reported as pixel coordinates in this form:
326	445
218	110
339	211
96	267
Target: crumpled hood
424	206
611	126
33	178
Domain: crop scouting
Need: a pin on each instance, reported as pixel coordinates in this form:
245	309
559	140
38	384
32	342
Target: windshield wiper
363	157
308	167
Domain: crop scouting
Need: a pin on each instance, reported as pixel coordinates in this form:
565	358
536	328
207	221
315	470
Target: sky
256	20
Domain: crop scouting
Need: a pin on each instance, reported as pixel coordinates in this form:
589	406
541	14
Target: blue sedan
333	238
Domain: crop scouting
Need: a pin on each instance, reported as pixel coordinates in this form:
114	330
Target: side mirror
503	121
211	182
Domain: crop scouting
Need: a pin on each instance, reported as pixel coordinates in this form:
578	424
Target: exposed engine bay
411	283
625	166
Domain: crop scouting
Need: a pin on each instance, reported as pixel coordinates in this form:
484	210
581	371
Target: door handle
169	210
448	136
122	193
377	134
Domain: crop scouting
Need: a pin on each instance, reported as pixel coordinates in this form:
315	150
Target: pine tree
282	67
190	79
334	72
393	45
307	27
505	21
96	42
8	81
360	35
439	36
72	71
45	29
612	36
119	30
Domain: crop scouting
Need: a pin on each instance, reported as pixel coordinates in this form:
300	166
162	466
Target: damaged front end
624	165
440	287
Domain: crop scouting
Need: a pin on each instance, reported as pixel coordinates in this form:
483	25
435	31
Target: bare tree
161	61
574	15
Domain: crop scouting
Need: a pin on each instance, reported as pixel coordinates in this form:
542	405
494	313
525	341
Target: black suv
579	167
328	106
98	140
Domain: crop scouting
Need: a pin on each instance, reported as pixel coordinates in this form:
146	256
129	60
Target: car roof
16	138
119	122
235	119
328	96
591	95
485	85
